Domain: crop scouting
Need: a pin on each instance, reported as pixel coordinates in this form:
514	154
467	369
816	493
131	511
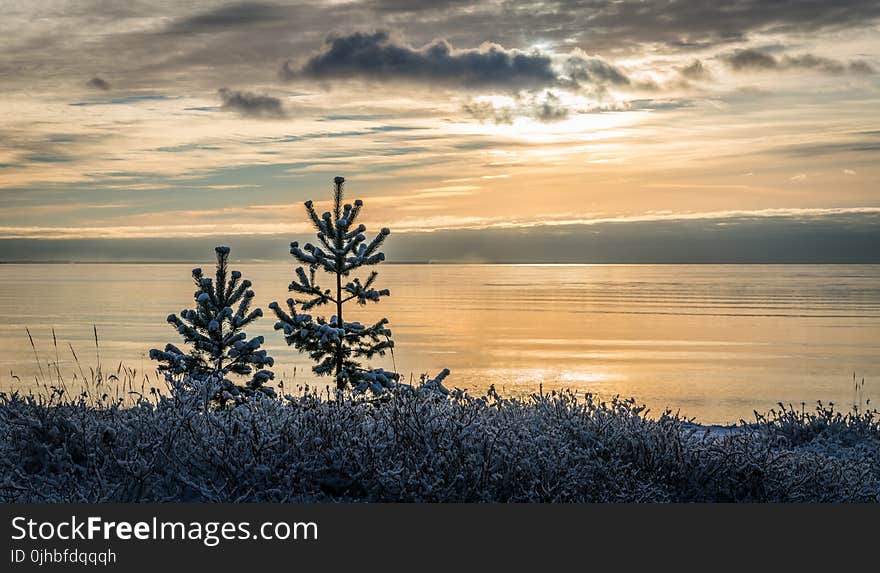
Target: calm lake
714	341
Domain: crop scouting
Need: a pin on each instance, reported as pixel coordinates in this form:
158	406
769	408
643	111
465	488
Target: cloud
128	100
583	69
859	142
682	25
412	6
757	60
751	60
384	57
810	61
861	67
98	83
693	24
226	17
549	109
189	43
773	235
250	104
696	70
546	107
484	111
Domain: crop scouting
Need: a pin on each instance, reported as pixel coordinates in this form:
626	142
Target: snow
411	444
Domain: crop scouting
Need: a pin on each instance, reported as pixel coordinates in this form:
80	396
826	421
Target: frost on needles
220	347
337	346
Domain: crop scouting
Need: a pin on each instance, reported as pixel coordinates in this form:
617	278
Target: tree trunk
340	384
340	261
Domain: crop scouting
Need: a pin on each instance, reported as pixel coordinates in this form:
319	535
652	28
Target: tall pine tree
216	332
337	346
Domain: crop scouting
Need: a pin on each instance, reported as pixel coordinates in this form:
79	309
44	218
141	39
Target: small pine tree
338	346
216	332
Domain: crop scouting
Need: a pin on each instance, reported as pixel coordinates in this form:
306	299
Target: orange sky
112	125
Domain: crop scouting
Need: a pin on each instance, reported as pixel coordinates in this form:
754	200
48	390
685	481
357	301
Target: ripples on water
715	341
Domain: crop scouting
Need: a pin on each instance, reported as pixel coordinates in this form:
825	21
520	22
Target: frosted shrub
338	347
197	390
417	445
435	385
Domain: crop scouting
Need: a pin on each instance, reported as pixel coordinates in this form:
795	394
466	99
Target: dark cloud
836	238
751	60
549	109
600	25
866	142
286	73
813	62
757	60
545	108
382	56
98	83
227	17
250	104
412	6
591	70
696	70
848	238
861	67
202	46
486	111
128	100
831	239
696	24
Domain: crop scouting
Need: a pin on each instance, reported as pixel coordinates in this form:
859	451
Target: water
715	342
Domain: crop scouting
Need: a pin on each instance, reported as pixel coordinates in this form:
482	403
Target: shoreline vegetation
120	440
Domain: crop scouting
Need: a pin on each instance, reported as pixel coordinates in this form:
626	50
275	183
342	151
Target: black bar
410	537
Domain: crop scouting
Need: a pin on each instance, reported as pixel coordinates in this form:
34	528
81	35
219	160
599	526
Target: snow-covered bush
435	384
417	446
338	347
220	346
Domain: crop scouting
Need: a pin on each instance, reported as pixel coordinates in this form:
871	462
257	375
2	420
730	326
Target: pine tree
335	345
216	332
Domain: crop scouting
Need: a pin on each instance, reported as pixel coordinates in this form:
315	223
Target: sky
546	131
